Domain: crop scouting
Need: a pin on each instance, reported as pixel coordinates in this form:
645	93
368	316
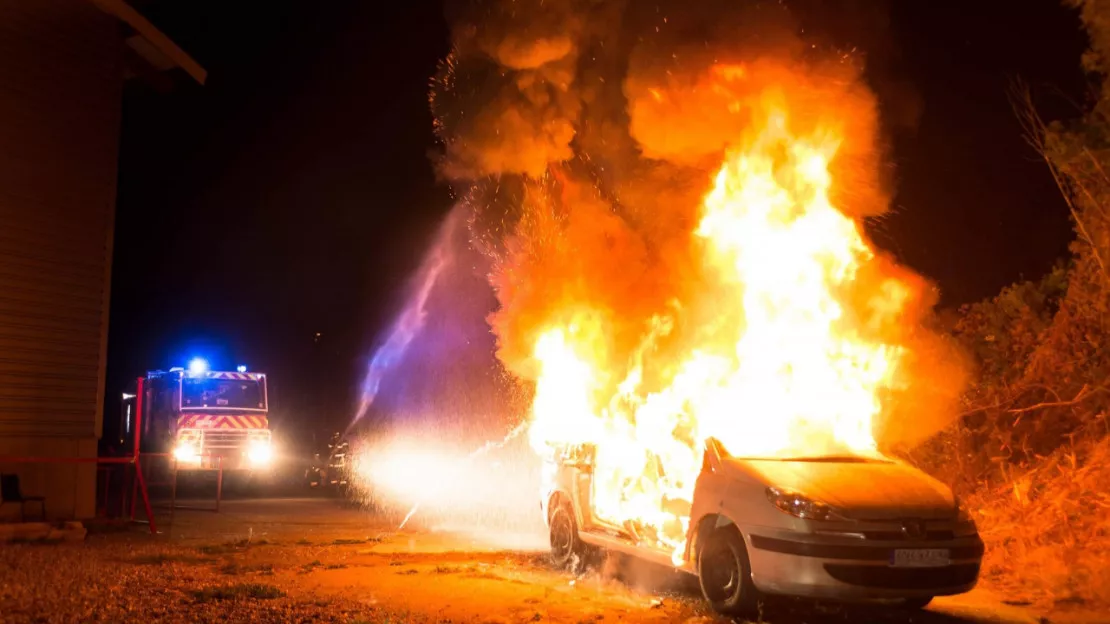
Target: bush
1031	453
1046	532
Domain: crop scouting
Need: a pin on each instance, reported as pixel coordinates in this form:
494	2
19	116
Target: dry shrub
1038	465
1045	527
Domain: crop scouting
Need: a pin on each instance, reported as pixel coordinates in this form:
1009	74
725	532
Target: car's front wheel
566	547
725	574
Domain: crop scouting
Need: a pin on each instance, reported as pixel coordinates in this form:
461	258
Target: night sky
272	217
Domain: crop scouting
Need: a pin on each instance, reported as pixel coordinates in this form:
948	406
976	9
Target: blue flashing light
242	368
198	366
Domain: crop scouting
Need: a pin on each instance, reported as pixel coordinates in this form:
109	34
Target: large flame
789	355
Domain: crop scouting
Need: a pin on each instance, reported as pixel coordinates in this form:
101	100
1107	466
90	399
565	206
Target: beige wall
70	489
61	81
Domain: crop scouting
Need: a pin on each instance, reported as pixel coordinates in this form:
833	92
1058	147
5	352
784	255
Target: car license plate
920	558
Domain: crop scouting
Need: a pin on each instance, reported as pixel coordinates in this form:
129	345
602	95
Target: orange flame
785	357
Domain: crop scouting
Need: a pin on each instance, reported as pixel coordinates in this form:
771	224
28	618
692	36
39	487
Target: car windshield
225	393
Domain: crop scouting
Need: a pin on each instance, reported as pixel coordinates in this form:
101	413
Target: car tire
724	573
567	549
916	604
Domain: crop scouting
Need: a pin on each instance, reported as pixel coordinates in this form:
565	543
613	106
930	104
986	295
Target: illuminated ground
312	560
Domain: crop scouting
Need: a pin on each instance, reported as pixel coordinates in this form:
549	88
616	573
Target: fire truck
203	419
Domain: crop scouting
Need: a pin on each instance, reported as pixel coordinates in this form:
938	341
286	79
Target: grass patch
228	548
232	568
487	576
447	570
335	566
253	591
222	549
164	558
409	571
311	565
351	542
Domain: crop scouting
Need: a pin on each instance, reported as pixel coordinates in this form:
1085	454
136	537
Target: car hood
860	490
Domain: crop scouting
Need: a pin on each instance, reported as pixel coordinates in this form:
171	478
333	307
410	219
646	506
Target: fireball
782	349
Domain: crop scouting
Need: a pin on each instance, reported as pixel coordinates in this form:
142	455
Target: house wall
61	81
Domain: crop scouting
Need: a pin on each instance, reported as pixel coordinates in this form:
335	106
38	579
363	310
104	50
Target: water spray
409	322
478	452
390	356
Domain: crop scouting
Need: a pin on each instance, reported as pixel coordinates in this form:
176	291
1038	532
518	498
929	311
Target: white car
846	528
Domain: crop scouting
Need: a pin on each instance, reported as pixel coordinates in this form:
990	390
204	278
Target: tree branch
1022	103
1083	394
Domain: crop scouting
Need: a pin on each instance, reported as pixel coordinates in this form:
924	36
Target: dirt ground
313	560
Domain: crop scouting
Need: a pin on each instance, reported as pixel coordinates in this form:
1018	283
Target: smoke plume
583	136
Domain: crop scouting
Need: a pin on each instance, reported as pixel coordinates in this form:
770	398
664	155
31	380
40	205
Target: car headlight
800	506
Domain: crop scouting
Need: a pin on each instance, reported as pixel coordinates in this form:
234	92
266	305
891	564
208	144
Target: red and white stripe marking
239	376
206	421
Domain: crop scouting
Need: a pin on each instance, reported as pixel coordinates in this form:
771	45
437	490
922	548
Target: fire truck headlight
186	452
260	453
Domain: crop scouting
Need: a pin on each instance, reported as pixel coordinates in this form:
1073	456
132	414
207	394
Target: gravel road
311	560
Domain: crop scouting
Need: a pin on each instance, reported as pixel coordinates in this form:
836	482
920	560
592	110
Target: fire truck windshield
222	393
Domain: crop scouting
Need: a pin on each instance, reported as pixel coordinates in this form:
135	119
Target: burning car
717	355
848	527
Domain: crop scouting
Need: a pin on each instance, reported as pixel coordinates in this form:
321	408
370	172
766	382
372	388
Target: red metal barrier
140	484
219	482
139	392
66	460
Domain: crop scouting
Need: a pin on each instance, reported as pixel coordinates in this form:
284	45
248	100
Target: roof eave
157	39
